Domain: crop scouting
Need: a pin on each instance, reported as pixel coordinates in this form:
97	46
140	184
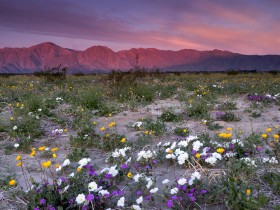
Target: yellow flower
229	129
33	153
65	130
54	149
129	175
276	136
94	123
248	192
146	132
42	148
112	124
46	164
54	155
185	130
102	129
12	182
197	155
264	135
220	150
19	164
79	169
110	115
276	126
170	151
57	165
11	118
18	157
268	130
123	140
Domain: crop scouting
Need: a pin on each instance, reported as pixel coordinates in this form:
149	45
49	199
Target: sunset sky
243	26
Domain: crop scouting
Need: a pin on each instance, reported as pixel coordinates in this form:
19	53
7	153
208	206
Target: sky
242	26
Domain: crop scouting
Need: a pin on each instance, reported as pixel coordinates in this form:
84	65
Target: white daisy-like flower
174	191
80	199
139	200
165	181
154	190
182	181
121	202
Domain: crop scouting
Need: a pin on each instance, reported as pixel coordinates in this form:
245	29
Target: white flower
103	192
84	161
159	144
136	207
190	138
211	160
113	171
265	159
150	183
72	174
121	202
80	198
39	110
16	145
92	186
170	156
136	177
154	190
47	149
165	181
197	145
139	200
66	162
273	160
217	155
182	158
15	127
174	191
196	175
183	143
166	144
65	189
182	181
58	169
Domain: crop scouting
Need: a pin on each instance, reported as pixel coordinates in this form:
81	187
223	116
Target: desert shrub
170	116
55	74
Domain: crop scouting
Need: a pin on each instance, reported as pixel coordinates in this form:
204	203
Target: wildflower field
140	141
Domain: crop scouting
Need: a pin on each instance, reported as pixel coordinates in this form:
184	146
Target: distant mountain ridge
103	59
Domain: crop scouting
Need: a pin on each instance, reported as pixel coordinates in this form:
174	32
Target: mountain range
101	59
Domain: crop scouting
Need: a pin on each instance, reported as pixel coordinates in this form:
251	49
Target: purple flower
85	207
71	201
139	192
50	207
184	187
120	192
193	152
192	199
124	166
231	146
91	172
38	190
63	179
246	154
42	201
192	190
89	197
36	208
108	176
190	195
169	203
148	197
174	197
88	166
154	161
202	192
114	192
